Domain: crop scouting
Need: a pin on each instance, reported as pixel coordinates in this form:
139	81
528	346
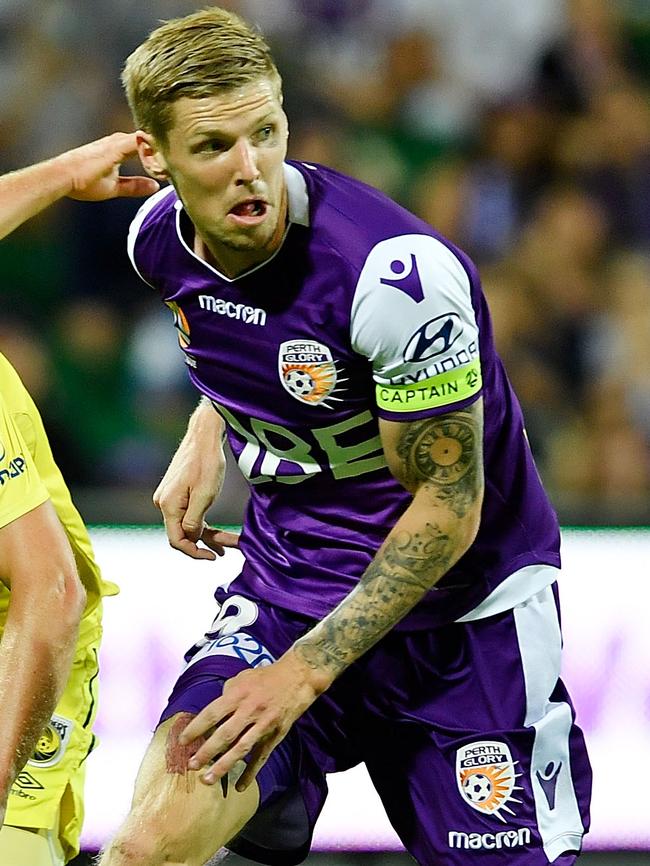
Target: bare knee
136	851
147	843
175	819
131	847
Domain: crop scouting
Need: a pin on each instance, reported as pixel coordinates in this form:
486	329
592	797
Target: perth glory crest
485	775
308	372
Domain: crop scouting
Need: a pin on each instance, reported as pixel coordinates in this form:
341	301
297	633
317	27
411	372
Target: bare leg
175	819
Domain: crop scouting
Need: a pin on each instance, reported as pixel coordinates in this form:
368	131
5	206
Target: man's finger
218	539
229	756
190	548
192	529
179	540
208	718
230	742
136	186
125	144
193	522
259	756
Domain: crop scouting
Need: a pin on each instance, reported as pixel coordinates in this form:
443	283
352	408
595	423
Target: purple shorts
467	732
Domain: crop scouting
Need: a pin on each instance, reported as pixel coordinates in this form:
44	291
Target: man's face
224	154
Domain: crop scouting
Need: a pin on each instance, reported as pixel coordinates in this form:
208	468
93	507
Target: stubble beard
239	241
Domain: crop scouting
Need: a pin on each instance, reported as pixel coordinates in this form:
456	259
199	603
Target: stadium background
521	130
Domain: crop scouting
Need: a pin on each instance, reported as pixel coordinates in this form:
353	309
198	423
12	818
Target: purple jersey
363	312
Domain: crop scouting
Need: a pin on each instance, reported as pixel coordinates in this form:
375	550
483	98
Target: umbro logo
26	780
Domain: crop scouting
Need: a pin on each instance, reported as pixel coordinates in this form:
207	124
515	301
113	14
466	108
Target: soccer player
51	588
397	605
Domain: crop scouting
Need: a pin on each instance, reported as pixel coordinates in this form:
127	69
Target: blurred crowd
520	130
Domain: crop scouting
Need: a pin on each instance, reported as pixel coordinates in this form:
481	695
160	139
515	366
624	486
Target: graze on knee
176	755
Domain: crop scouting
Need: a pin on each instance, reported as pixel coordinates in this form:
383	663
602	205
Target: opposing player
397	605
51	589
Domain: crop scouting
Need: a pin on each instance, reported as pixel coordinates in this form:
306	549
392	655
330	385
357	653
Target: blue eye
210	145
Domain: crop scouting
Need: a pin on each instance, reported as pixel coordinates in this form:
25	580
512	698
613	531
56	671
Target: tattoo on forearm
393	583
443	457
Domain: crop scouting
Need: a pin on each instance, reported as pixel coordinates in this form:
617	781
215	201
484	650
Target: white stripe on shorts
517	587
540	642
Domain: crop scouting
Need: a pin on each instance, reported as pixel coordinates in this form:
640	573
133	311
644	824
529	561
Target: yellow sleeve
29	476
21	487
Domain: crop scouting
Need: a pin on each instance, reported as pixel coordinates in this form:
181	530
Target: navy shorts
467	732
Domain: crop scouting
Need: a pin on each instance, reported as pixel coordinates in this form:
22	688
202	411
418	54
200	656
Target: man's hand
90	173
190	486
93	169
183	508
253	715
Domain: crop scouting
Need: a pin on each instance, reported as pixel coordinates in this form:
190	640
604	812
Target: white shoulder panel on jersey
297	195
136	224
412	316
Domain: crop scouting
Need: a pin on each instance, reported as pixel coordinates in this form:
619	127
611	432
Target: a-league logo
52	743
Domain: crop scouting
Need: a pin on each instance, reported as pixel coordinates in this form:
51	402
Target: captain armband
438	391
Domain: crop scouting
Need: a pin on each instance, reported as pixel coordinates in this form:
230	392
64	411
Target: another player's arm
440	461
192	482
46	604
89	172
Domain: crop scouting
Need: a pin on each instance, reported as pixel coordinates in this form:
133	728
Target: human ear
151	155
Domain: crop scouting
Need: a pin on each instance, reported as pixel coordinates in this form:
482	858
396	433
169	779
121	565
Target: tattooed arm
440	461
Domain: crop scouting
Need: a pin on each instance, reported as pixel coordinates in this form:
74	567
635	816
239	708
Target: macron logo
242	312
489	841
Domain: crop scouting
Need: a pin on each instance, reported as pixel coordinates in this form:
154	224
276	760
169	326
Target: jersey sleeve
21	487
412	317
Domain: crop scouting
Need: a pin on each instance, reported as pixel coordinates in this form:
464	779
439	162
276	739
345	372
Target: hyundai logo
433	338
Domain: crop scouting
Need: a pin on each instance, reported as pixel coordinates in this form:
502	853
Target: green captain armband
441	390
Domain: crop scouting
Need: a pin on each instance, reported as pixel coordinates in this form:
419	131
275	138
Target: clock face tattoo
444	451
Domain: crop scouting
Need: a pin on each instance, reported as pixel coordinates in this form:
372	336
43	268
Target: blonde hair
196	56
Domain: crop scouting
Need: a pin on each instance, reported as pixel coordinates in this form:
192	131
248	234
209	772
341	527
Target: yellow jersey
29	476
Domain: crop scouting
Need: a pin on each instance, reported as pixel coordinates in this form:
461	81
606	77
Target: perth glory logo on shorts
307	371
485	775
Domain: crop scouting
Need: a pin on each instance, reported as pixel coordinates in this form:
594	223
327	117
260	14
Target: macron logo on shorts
489	841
